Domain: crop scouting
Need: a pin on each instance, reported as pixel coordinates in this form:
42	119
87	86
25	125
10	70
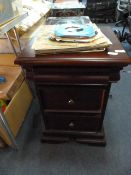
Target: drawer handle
71	102
71	125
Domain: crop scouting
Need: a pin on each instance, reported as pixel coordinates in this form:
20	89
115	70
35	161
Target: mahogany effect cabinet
73	90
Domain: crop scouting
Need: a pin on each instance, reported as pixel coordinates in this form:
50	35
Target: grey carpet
35	158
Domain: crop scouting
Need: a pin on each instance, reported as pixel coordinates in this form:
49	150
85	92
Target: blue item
74	30
2	79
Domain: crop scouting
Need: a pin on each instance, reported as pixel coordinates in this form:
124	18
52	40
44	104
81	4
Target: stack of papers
79	38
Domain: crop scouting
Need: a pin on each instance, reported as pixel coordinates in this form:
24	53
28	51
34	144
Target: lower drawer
80	122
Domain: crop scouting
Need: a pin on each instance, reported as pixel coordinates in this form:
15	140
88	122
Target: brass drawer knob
71	124
71	101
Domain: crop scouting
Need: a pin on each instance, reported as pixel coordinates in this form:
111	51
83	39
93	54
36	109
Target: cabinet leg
91	142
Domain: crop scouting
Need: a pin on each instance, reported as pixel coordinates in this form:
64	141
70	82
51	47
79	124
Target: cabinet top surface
28	56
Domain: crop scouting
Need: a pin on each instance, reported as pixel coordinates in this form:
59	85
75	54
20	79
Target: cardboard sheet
16	111
14	77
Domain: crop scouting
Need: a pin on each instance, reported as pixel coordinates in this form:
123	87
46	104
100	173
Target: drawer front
78	122
86	98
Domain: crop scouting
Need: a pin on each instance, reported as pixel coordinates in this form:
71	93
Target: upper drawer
86	98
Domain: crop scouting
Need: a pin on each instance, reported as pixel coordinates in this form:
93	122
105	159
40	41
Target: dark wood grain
83	59
73	90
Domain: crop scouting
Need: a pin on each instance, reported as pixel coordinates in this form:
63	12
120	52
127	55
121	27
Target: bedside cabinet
73	103
73	90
